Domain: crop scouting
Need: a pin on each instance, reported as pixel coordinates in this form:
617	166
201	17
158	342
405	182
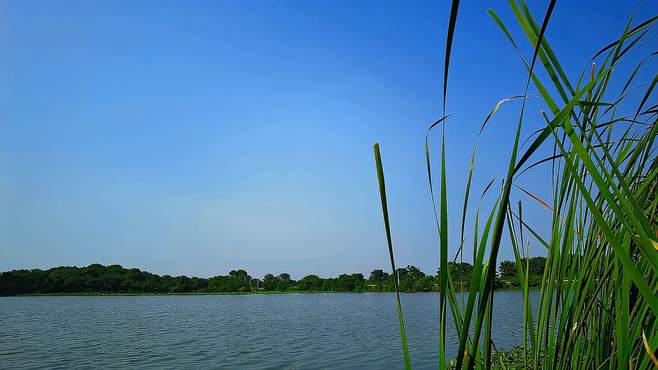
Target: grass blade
396	279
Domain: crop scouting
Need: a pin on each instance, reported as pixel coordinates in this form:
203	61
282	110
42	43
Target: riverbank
506	359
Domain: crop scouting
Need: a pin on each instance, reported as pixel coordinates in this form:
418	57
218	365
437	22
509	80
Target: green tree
241	279
507	268
310	282
378	275
536	265
284	282
269	282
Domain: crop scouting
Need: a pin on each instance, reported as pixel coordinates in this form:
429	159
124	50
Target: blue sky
197	137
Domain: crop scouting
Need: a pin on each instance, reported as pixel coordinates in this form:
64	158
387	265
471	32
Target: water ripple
297	331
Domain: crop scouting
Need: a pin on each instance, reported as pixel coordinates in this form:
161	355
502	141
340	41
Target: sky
199	137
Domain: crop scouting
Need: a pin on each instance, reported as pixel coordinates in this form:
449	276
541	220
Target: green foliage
378	275
598	284
310	283
508	268
97	278
512	359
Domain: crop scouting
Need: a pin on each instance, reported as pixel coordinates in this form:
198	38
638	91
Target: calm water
293	331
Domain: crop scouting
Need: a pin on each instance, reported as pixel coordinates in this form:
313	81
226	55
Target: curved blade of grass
454	9
635	70
630	33
396	279
466	196
650	353
497	106
541	240
646	95
535	198
443	229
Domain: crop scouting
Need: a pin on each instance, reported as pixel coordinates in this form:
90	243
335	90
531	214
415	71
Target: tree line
97	278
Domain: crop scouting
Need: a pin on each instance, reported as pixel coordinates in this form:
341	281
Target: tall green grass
598	301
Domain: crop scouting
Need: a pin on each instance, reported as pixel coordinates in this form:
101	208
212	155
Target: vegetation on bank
598	299
114	279
511	359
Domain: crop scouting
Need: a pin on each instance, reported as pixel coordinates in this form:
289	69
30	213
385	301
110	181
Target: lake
261	331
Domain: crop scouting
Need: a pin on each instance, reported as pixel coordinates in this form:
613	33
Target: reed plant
598	300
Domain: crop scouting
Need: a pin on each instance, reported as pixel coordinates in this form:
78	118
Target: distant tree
284	282
359	282
269	282
378	275
507	268
344	283
414	273
413	279
255	283
241	279
349	283
537	264
182	285
310	282
222	284
461	272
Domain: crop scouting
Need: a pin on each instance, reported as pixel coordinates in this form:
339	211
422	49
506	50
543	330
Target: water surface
289	331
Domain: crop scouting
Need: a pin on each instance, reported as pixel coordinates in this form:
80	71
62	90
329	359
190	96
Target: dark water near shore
290	331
